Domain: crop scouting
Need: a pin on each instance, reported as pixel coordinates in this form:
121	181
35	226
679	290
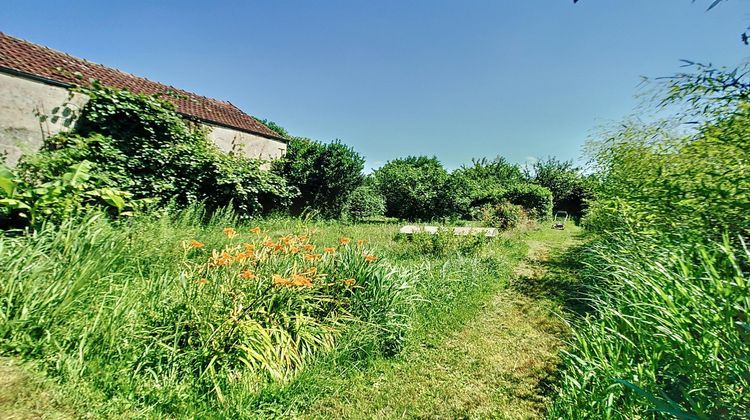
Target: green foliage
669	276
281	131
534	199
364	202
487	179
670	334
445	243
325	175
656	183
570	189
139	312
139	144
23	204
503	216
419	188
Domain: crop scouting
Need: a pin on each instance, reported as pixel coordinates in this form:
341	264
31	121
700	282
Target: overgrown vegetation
668	275
139	144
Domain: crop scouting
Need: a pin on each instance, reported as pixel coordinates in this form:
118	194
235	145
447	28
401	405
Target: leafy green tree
275	127
570	189
486	179
325	174
418	188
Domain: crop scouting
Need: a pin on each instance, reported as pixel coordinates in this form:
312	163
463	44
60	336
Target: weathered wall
249	144
31	111
22	103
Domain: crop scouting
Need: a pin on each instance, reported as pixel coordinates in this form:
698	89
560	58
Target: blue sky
455	79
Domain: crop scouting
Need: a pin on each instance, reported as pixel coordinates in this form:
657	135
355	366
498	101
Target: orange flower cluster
291	257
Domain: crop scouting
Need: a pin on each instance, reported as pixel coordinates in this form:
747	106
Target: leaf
13	203
78	175
714	4
7	181
113	198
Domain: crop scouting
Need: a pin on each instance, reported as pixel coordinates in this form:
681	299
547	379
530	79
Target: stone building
36	102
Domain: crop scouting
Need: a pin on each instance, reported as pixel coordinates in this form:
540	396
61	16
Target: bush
139	144
653	181
23	204
485	180
535	199
418	188
570	189
364	202
325	175
503	216
445	243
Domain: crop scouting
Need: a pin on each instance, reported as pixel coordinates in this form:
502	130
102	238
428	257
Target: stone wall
32	110
250	145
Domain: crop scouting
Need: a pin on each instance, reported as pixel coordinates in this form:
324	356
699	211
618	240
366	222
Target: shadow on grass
558	278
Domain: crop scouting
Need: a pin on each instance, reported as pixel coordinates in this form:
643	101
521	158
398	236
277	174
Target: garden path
498	365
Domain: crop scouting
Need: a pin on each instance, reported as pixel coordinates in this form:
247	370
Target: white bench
459	231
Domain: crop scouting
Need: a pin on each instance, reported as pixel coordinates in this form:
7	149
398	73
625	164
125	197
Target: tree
419	188
569	188
324	173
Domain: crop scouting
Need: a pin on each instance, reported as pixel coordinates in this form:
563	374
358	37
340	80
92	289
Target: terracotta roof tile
35	60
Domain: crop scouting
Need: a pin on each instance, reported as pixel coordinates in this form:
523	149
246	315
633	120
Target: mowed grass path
497	365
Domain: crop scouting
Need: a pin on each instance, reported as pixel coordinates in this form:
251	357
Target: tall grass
166	314
670	335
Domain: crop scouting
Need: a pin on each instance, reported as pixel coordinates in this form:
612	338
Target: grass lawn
489	353
481	338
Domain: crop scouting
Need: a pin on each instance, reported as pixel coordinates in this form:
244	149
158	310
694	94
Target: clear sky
455	79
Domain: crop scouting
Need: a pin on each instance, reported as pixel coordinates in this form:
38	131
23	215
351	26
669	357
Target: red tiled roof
35	60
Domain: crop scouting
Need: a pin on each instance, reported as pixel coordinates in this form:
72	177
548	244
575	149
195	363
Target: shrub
570	189
503	216
418	188
325	174
23	204
535	199
139	144
445	243
485	180
364	202
654	181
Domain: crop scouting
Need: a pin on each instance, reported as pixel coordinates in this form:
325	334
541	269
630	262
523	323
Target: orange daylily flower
201	281
300	280
269	243
370	258
309	247
311	257
361	242
280	281
293	250
255	230
344	241
312	270
350	282
230	232
329	250
302	238
196	244
247	275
